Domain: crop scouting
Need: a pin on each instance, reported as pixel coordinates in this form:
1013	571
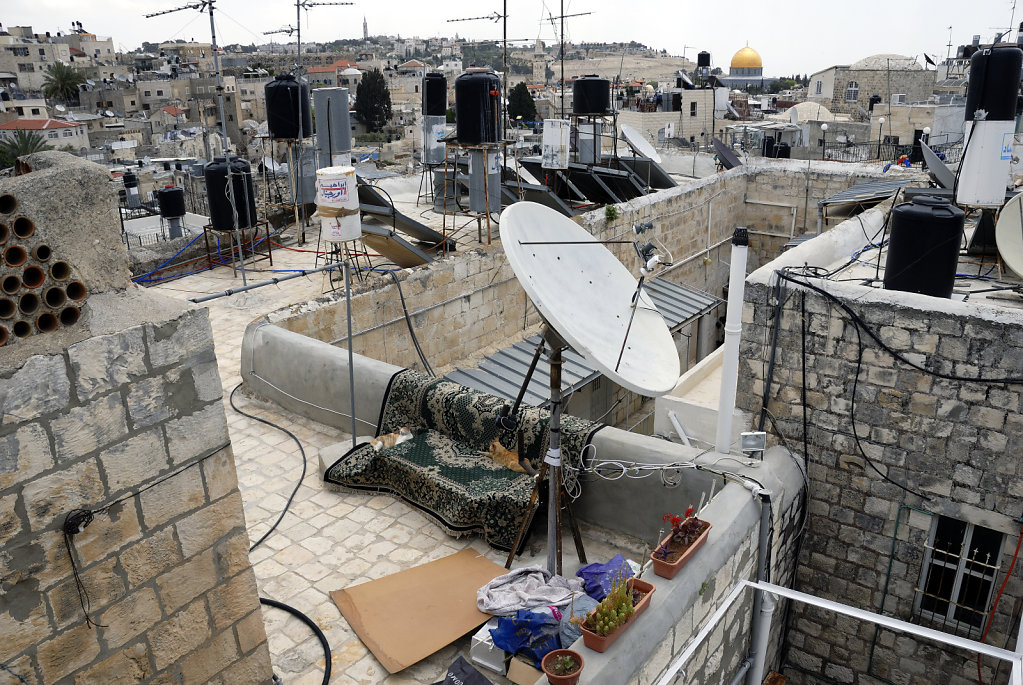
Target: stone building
896	79
123	549
909	407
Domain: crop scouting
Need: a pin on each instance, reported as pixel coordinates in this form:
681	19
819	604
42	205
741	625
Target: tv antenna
496	17
589	301
207	6
299	6
563	17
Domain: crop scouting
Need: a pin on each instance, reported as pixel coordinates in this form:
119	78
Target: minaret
539	63
365	29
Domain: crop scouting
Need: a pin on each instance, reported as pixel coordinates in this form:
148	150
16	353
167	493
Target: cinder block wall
955	442
120	414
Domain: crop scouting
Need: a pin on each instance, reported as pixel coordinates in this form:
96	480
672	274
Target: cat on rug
508	459
391	439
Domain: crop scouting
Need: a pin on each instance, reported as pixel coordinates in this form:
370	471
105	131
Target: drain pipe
733	330
752	667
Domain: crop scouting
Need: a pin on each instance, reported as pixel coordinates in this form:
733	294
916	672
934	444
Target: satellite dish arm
506	420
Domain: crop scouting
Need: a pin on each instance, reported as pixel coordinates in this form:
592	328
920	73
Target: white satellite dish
90	82
1009	234
639	144
585	294
60	108
108	113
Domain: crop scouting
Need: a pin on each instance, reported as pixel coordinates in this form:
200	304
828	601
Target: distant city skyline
799	37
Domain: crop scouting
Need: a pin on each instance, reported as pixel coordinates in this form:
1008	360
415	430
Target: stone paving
327	540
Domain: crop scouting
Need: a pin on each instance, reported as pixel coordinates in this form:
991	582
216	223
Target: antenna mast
495	17
562	17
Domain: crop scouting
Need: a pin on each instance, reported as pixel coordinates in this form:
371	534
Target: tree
520	104
23	143
373	101
61	82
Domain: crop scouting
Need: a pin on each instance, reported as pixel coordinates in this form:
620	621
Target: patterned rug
445	470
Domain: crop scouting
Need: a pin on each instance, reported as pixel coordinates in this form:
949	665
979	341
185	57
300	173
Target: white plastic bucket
336	189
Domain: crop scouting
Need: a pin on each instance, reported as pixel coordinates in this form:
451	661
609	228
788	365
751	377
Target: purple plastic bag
597	578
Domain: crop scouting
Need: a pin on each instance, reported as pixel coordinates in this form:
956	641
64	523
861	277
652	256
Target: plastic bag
569	631
529	633
461	672
597	578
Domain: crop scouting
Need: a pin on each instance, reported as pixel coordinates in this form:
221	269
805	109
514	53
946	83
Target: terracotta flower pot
667	569
555	679
598	643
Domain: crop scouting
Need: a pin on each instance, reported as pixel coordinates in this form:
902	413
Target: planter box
668	570
598	643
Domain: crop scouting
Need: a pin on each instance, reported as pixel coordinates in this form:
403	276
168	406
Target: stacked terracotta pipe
37	293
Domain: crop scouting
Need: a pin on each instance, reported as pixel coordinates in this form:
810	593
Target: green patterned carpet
445	470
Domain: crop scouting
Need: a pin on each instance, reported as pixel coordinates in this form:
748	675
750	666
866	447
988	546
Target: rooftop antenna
207	6
284	29
563	17
495	17
299	6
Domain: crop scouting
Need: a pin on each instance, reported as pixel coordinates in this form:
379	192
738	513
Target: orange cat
391	439
508	459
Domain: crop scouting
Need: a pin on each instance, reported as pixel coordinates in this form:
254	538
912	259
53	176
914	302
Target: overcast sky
794	36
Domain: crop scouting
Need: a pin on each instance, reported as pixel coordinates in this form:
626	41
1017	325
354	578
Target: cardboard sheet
407	616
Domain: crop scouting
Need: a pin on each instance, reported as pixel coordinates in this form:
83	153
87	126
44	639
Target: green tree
23	143
61	82
520	104
373	101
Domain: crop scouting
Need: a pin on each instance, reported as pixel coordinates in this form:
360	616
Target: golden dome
747	58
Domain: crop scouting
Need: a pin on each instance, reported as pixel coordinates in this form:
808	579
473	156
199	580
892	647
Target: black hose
312	625
294	492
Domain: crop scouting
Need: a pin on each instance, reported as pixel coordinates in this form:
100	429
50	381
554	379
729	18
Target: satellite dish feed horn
592	303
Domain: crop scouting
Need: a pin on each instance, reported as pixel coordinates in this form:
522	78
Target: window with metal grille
958	574
852	91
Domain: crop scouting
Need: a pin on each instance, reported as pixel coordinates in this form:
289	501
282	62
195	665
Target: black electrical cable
312	625
294	492
769	374
411	330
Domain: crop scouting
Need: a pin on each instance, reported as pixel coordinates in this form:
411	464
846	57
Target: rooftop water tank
923	251
477	106
994	83
591	95
435	94
171	201
221	213
283	96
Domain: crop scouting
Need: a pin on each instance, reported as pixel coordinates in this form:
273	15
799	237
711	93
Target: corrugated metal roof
867	192
502	373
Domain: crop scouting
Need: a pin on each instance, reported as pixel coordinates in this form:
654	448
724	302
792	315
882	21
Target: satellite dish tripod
551	468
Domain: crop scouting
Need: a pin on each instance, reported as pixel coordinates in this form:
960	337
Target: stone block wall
951	444
118	414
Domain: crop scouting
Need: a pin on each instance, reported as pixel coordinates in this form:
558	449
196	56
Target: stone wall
119	414
949	443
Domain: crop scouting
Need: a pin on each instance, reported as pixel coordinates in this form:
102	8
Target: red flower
689	512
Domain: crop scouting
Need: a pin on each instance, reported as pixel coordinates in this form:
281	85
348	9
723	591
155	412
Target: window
852	91
35	110
42	52
819	87
692	109
147	93
52	134
958	573
159	93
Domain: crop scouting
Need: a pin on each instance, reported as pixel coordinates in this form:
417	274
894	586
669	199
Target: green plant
684	531
564	664
610	212
614	610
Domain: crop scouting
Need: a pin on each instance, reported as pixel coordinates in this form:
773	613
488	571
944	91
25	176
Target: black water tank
703	59
591	95
283	95
783	151
994	82
923	251
435	94
477	106
171	201
221	215
769	150
130	180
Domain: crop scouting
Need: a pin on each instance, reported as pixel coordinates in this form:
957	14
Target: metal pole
300	229
553	458
562	59
505	69
761	629
351	356
272	281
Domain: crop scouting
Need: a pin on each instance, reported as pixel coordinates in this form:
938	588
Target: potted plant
688	533
562	666
628	598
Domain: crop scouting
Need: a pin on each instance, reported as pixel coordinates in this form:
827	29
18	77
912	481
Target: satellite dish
90	82
585	294
639	144
60	108
942	174
107	113
725	155
1009	234
119	77
687	83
